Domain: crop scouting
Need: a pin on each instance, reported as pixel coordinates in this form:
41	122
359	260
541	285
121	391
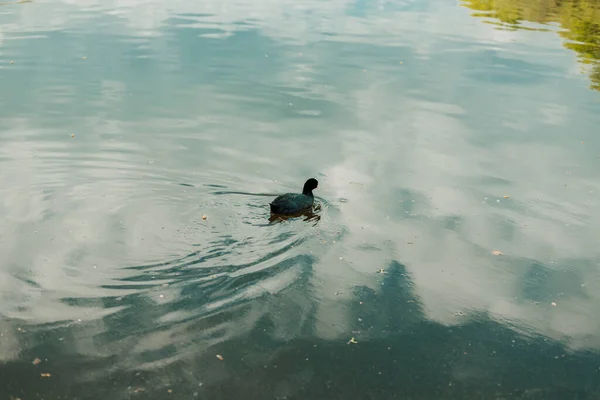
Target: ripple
140	248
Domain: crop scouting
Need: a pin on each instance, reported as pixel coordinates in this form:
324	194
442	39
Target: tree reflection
579	18
271	350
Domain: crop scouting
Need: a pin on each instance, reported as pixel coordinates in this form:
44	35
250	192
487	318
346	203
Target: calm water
458	155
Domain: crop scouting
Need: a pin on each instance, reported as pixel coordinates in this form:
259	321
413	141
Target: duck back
291	203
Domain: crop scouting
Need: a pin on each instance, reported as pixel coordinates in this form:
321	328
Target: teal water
456	255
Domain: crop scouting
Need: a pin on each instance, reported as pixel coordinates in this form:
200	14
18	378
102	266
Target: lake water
458	157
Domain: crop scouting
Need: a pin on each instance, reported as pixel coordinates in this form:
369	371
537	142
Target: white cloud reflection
453	150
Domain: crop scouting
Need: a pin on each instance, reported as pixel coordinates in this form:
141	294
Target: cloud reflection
416	159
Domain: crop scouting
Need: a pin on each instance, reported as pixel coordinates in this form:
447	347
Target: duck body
293	203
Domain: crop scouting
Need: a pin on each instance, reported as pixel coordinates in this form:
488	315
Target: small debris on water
36	361
12	62
220	357
84	58
553	304
506	197
497	252
353	341
204	217
381	271
72	135
400	62
170	391
45	375
139	390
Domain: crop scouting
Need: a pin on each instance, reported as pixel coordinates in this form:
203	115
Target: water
457	152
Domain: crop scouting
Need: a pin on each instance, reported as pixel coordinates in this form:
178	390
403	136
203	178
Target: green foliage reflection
579	20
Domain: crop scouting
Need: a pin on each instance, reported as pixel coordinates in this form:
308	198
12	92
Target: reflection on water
398	351
579	20
311	215
453	252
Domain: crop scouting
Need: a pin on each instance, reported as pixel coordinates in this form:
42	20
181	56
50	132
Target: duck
293	203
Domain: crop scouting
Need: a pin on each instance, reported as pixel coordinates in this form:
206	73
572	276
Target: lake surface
458	158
